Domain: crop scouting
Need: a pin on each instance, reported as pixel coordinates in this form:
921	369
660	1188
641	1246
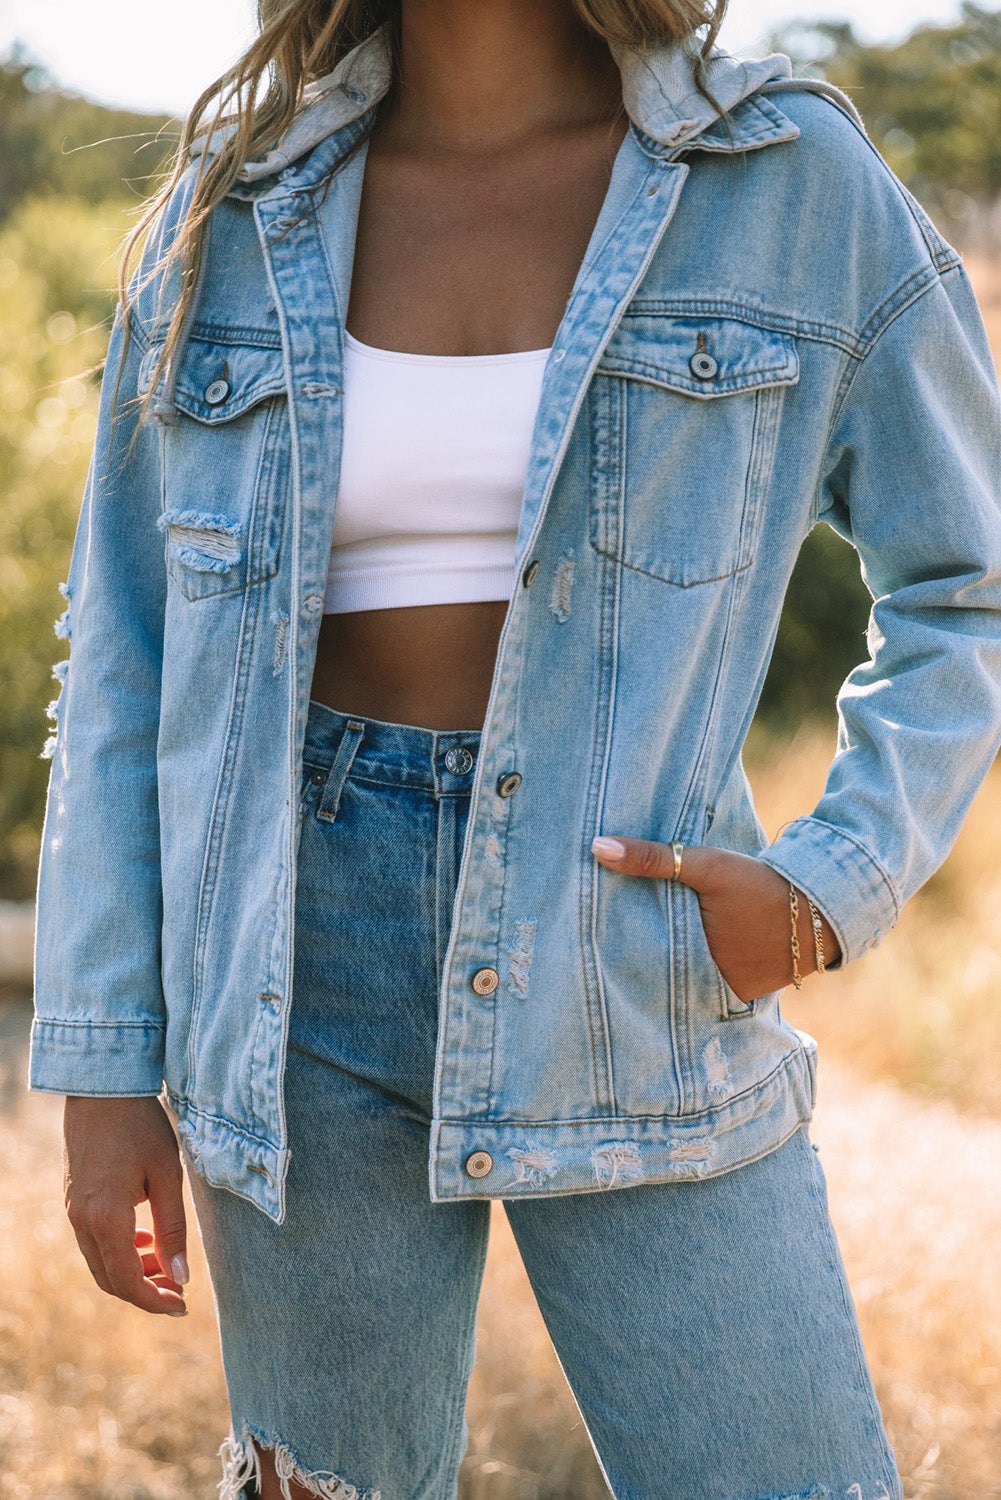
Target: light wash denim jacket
764	333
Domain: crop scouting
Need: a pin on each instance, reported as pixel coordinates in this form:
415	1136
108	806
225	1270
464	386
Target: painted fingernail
179	1270
610	848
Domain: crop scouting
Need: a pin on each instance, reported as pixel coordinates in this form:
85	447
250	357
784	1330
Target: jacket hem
228	1156
538	1159
546	1159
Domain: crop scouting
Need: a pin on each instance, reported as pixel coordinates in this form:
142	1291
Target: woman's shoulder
155	283
864	245
846	182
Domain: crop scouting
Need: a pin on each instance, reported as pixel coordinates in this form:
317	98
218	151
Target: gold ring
677	850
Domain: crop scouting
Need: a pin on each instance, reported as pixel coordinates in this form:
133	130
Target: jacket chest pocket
684	417
226	466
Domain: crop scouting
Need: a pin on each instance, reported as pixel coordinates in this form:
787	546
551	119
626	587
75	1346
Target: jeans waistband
441	760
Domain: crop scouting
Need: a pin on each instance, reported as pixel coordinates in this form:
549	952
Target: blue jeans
706	1328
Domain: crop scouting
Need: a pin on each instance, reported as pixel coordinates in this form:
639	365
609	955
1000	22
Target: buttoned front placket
640	202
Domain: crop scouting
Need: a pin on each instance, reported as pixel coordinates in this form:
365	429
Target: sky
160	57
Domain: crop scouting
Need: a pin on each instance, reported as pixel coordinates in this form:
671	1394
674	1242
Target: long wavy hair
298	41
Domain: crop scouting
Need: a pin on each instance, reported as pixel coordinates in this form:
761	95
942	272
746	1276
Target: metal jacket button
702	365
479	1163
508	782
485	981
458	760
528	577
216	393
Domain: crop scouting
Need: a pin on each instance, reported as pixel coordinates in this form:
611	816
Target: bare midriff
468	249
426	664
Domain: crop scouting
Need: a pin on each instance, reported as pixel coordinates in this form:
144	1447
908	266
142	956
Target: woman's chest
465	256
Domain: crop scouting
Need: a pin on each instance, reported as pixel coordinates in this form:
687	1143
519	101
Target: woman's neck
483	77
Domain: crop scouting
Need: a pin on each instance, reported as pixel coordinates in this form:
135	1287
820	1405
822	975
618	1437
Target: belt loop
338	773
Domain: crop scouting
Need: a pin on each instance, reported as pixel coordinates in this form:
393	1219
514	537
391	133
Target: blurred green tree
59	143
931	103
57	266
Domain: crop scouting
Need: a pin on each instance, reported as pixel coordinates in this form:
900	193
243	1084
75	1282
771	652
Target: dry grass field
99	1401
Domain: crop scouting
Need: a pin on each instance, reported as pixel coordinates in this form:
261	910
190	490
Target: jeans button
458	760
479	1163
508	783
485	981
528	577
702	365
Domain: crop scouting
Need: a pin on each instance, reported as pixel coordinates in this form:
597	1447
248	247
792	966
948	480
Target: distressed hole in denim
559	602
206	541
688	1150
280	620
717	1069
315	390
617	1161
519	956
241	1466
535	1164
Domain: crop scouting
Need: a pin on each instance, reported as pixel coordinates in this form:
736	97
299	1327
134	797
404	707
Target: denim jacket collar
658	93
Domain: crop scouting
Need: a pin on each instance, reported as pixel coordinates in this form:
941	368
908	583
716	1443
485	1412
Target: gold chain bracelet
818	936
797	977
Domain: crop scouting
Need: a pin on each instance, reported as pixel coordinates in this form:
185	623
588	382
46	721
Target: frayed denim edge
241	1464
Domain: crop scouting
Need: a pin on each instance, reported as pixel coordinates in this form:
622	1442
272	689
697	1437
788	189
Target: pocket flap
700	356
218	380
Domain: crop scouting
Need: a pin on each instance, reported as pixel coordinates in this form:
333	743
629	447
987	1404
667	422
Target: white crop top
435	454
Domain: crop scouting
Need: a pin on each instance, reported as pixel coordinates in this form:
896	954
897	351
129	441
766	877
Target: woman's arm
912	477
99	1008
99	1011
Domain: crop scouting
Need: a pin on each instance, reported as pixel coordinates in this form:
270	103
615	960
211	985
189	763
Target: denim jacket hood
764	333
658	94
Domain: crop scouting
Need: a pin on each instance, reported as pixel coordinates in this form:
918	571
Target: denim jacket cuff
843	879
97	1058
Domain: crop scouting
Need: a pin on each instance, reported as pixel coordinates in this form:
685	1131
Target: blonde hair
302	40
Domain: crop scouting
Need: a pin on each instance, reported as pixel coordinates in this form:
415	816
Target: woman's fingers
650	858
108	1246
744	906
150	1264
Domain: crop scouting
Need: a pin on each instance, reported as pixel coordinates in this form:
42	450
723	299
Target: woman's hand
119	1152
745	910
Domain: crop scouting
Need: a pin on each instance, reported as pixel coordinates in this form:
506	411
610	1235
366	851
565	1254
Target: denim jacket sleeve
99	1010
912	477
